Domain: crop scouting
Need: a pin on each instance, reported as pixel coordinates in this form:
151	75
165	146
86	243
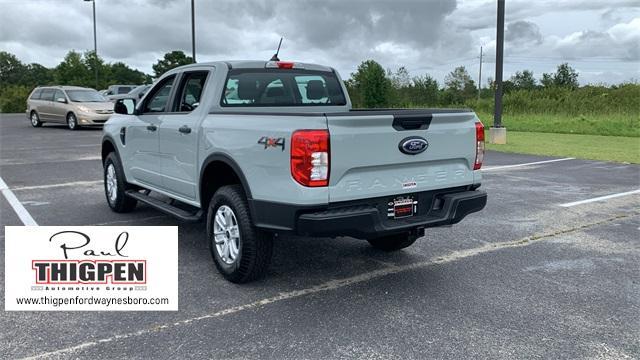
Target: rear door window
281	87
47	94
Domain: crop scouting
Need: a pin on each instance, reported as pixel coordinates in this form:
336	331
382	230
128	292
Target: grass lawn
595	147
609	125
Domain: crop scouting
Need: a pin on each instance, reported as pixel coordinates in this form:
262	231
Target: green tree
91	61
38	75
74	71
523	80
120	73
547	80
566	76
459	86
171	60
13	98
372	85
424	91
401	79
12	70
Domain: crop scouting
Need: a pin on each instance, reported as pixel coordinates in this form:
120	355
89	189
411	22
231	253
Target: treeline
370	86
18	79
554	93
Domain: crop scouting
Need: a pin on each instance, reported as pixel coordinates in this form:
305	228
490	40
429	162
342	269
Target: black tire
120	202
393	242
72	122
34	119
254	246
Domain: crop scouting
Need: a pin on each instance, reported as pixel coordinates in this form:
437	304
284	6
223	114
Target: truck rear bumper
369	218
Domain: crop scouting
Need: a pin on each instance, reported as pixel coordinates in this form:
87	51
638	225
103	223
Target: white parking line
12	162
49	186
331	285
600	198
491	168
22	213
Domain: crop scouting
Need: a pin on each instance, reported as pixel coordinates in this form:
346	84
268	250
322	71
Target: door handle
185	129
152	127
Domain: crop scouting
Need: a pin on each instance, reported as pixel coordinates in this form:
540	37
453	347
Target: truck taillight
479	146
310	157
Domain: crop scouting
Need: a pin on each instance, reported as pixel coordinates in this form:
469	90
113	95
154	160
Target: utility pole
95	43
480	75
193	31
497	133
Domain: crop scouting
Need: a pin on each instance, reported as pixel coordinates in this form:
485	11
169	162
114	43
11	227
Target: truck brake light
285	65
479	146
282	65
310	157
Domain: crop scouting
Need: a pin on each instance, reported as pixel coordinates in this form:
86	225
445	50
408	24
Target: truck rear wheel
393	242
240	251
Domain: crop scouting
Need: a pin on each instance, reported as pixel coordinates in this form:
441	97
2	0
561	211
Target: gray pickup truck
261	148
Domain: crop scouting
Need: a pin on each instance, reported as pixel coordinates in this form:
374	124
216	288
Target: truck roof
256	64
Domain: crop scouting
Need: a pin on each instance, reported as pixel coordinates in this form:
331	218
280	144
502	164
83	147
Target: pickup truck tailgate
366	160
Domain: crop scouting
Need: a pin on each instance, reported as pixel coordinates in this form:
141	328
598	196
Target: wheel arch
108	146
226	172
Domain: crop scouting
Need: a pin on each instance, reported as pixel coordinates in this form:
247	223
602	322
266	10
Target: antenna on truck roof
275	56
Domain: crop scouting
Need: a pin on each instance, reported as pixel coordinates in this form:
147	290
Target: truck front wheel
393	242
115	185
240	251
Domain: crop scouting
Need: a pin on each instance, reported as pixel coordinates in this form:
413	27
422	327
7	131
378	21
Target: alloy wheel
226	235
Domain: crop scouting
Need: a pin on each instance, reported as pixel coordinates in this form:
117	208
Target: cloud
621	41
523	31
423	35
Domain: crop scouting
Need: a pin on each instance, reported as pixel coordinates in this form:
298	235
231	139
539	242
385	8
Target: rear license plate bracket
402	207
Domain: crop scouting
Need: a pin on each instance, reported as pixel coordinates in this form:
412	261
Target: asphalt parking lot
525	278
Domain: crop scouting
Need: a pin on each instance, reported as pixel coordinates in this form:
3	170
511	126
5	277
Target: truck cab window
277	87
190	91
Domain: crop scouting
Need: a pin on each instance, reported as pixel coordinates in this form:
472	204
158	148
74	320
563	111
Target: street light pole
95	43
480	75
193	31
497	133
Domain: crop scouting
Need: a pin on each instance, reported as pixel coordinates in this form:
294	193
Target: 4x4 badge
272	142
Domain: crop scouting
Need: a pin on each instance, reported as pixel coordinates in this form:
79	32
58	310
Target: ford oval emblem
413	145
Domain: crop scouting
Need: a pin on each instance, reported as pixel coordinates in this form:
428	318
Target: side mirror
61	100
125	106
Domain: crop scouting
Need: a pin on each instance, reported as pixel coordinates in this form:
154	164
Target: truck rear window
281	87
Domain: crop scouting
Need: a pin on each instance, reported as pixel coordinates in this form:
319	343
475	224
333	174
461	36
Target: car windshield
85	96
139	89
124	89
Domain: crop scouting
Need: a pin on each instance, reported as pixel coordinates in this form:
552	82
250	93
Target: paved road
525	278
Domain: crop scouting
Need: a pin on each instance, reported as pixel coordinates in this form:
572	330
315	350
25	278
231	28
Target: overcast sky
601	39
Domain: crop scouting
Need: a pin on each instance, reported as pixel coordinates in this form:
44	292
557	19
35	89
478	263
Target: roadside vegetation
551	116
554	103
18	79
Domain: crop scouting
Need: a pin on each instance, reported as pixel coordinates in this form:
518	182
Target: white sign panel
96	268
